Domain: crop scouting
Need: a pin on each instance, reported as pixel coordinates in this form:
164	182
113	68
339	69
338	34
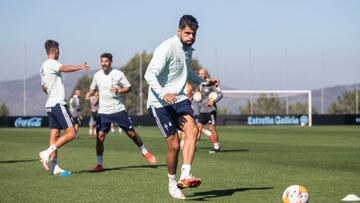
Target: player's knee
71	133
131	133
174	147
101	136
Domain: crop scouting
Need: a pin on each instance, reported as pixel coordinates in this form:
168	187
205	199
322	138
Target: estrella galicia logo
30	122
304	120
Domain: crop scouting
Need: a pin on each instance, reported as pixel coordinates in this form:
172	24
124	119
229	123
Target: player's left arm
220	94
125	85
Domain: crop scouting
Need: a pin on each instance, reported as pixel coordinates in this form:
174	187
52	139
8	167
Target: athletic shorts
208	118
59	117
166	117
121	119
76	120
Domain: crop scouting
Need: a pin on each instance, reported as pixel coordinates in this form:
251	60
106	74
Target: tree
223	111
83	85
132	72
300	108
265	104
4	110
346	104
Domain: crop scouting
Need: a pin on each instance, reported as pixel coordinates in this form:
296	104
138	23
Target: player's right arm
156	66
70	68
92	89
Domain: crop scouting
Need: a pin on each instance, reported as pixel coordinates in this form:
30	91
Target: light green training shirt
168	72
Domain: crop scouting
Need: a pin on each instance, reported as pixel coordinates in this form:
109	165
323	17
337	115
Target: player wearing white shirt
74	104
167	74
111	85
59	115
208	111
94	106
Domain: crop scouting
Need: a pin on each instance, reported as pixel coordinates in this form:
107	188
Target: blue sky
258	44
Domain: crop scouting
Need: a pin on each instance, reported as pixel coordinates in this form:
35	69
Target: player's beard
107	70
187	43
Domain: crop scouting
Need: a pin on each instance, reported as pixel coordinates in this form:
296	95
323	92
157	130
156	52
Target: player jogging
58	113
94	105
112	84
208	111
74	104
167	74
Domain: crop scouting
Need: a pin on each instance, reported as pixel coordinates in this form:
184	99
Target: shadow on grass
17	161
121	168
226	150
204	196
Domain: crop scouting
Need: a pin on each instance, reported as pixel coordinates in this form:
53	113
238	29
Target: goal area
267	107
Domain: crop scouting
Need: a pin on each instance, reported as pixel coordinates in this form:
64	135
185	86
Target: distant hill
12	94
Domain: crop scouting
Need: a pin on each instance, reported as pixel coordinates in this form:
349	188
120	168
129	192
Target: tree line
264	104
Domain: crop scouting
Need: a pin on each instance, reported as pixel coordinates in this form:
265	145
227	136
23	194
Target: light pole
24	82
141	86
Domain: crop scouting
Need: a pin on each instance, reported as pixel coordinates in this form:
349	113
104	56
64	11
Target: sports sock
50	150
185	171
172	180
99	160
53	164
216	145
143	150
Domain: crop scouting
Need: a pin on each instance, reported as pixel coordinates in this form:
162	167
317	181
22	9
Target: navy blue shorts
59	117
122	119
207	118
166	117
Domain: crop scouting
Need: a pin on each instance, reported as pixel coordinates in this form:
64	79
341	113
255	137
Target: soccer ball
197	96
295	194
213	96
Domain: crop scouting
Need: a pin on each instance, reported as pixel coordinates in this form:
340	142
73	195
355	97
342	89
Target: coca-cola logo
28	122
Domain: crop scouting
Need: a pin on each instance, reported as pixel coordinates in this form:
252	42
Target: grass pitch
256	165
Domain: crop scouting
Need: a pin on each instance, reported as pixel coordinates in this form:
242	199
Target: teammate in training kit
167	74
74	104
94	106
208	111
112	84
59	115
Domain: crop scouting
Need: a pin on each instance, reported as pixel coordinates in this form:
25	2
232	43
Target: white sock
50	150
185	171
216	145
143	150
99	160
172	180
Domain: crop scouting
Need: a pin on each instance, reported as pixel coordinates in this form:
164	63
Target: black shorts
166	117
121	119
207	118
59	117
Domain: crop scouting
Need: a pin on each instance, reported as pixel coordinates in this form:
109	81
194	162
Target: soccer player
208	111
74	104
59	115
167	74
94	106
112	84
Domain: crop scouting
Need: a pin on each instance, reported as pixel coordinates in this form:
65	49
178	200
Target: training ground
255	164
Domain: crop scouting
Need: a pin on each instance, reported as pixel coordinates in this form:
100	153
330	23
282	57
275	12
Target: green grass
256	165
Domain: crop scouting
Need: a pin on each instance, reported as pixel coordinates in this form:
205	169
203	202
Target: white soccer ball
213	96
295	194
197	96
